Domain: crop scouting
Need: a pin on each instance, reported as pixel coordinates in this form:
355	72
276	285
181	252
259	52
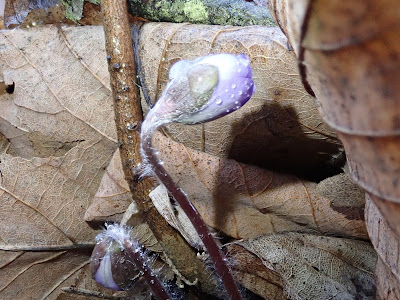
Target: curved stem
216	255
148	274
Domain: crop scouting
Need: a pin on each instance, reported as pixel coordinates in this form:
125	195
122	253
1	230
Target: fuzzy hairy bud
204	89
110	264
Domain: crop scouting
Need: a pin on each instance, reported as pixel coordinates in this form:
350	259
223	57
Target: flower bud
110	264
204	89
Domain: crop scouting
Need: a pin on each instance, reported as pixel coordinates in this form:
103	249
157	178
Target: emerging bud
204	89
110	264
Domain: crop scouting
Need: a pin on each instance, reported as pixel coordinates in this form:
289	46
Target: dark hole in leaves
10	88
273	139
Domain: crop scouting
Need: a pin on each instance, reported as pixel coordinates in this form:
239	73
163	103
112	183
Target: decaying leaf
57	142
113	195
350	56
318	267
253	274
387	245
59	124
246	201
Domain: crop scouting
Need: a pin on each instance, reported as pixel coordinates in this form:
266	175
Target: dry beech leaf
351	51
59	121
279	115
318	267
387	245
113	195
58	136
253	274
246	201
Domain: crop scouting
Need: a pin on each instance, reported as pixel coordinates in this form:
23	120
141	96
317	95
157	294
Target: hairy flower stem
216	255
152	280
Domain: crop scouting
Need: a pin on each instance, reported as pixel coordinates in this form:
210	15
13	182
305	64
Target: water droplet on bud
218	101
233	86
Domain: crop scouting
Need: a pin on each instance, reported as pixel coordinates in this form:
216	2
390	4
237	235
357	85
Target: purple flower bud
204	89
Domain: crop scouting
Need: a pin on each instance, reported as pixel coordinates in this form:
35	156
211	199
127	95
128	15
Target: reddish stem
148	274
216	255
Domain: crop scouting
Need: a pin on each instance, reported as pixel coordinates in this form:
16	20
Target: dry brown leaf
246	201
389	286
59	121
280	114
317	267
251	272
113	195
350	55
58	137
387	244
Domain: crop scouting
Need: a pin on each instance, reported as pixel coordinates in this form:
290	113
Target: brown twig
128	117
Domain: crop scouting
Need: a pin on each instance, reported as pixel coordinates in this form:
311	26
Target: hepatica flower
199	91
204	89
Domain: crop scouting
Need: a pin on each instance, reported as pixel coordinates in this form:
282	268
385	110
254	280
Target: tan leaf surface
251	272
387	245
59	122
279	115
56	143
317	267
113	195
351	51
246	201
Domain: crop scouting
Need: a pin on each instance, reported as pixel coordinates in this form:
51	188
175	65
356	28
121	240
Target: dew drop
232	96
152	281
247	87
161	163
237	107
233	86
240	93
239	70
236	102
226	91
163	59
227	110
218	101
200	78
